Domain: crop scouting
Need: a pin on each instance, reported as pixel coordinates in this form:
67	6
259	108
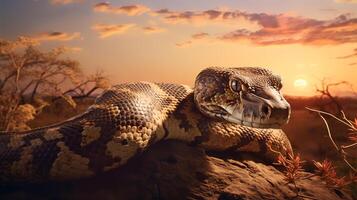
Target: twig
349	164
348	146
345	122
329	132
329	114
345	118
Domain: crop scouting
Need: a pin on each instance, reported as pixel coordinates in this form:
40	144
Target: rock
174	170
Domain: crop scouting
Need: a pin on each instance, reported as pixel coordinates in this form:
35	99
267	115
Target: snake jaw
253	111
256	112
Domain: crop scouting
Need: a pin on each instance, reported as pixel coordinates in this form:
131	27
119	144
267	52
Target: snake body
229	108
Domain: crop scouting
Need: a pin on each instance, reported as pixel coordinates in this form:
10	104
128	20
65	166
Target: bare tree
325	93
27	74
88	86
27	70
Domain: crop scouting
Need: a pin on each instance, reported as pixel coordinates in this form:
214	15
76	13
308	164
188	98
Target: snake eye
236	86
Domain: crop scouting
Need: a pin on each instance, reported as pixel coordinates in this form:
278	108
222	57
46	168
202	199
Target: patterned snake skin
233	108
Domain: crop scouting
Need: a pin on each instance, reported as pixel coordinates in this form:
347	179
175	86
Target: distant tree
27	74
327	98
27	70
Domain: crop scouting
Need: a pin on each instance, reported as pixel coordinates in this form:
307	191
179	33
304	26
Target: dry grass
341	140
15	116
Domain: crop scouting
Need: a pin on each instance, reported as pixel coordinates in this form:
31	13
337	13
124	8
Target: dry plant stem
297	191
329	132
349	146
339	149
346	161
329	114
345	118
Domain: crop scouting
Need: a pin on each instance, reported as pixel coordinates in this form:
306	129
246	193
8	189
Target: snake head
248	96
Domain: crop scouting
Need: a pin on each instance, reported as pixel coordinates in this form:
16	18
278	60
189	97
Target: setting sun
300	83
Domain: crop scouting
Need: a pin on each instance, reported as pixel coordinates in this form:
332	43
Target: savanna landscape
48	75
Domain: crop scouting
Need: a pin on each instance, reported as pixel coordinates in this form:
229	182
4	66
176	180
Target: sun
300	83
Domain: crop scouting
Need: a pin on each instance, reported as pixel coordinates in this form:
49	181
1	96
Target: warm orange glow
154	42
300	83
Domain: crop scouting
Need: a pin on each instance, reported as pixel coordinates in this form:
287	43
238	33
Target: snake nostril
281	113
265	110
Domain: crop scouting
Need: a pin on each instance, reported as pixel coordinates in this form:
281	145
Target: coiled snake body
232	108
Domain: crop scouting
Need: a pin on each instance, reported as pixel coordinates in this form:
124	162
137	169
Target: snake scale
229	108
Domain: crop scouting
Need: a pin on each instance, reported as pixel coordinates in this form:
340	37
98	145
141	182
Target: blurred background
57	55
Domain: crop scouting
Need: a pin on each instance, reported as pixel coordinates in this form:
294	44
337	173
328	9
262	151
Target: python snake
228	108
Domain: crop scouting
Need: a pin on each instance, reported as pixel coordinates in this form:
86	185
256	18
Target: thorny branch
340	148
292	166
324	91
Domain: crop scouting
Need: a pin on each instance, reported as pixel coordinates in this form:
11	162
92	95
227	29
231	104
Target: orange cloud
184	44
153	29
56	36
272	29
197	36
131	10
107	30
64	2
283	29
346	1
354	54
175	17
201	35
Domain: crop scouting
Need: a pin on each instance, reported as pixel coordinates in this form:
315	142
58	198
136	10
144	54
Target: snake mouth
253	115
253	123
253	111
258	112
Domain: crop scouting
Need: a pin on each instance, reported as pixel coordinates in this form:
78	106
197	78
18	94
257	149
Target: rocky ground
174	170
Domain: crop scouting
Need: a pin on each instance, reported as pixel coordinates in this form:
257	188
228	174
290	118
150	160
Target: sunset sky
171	41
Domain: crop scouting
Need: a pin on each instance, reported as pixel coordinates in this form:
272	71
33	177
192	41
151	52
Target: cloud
107	30
213	16
272	29
184	44
329	10
200	35
56	36
153	29
197	36
131	10
175	17
346	1
259	28
354	54
64	2
284	29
